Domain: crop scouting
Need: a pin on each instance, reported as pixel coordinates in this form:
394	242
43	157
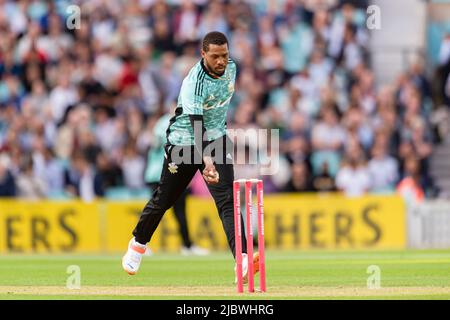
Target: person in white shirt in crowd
47	167
133	167
353	179
320	68
328	137
29	185
383	169
62	96
109	131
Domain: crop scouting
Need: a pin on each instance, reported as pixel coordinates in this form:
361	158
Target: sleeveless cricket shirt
202	94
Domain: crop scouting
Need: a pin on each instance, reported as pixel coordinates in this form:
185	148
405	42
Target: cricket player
199	121
155	162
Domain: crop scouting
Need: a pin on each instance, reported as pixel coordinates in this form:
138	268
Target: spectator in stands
383	169
410	187
419	78
49	168
133	167
320	68
353	179
300	179
62	96
358	127
296	42
443	70
7	183
301	65
186	20
295	139
328	137
109	130
213	19
30	186
324	182
64	141
82	179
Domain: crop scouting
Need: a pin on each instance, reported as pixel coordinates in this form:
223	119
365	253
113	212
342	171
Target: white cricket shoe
245	267
132	259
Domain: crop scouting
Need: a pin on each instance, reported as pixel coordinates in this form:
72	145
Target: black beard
211	70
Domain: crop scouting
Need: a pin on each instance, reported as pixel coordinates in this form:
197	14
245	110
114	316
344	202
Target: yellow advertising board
46	227
292	221
334	221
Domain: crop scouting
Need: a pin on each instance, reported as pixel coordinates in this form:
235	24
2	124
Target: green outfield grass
290	275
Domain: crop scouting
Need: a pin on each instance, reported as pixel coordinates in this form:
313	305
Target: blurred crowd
78	105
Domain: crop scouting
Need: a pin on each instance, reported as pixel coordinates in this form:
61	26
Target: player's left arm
210	173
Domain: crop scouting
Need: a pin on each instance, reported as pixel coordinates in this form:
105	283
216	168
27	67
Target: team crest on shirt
230	87
173	168
210	98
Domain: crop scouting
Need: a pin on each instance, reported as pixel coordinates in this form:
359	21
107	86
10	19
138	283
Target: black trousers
175	178
179	208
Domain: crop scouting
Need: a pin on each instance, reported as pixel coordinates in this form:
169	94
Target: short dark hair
214	37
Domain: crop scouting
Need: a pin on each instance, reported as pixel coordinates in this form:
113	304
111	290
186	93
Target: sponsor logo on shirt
217	105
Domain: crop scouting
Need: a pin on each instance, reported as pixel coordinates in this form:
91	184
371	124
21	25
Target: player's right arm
192	98
193	95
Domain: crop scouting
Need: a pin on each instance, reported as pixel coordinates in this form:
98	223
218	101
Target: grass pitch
290	275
